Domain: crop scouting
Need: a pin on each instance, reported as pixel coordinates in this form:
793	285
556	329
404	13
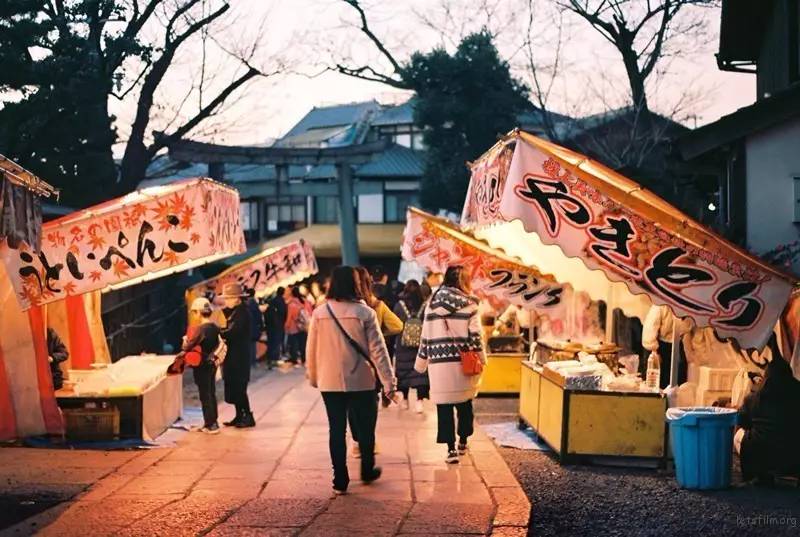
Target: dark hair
455	277
364	284
412	295
425	290
280	291
343	284
378	273
297	294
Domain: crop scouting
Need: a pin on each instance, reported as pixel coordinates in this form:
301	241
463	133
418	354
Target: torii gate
343	158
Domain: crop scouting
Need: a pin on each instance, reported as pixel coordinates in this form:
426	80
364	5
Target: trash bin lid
691	414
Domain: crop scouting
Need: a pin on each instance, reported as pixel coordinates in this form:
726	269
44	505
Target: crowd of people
365	342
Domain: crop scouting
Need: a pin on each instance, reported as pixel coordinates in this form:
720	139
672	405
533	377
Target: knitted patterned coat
451	325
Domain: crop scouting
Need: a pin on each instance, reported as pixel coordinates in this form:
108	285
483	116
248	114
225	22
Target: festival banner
265	272
614	225
144	235
435	243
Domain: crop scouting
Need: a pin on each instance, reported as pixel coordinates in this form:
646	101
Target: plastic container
702	444
716	379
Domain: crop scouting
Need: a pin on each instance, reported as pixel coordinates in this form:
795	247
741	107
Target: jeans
447	429
363	407
296	346
423	392
204	377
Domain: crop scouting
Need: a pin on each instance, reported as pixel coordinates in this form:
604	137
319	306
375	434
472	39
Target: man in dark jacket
256	325
56	353
274	323
236	367
771	442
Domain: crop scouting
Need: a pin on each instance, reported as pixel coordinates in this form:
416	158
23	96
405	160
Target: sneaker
374	475
452	457
246	422
232	423
404	404
210	429
418	408
356	451
462	448
339	492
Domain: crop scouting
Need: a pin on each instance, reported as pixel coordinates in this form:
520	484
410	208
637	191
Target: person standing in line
203	340
236	367
256	324
451	326
297	319
275	325
347	356
410	310
56	354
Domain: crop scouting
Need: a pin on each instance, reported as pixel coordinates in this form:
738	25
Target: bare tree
640	31
181	21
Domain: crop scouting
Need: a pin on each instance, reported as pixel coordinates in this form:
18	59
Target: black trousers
363	408
446	433
204	377
274	345
297	348
423	392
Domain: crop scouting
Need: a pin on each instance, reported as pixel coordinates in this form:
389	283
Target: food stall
142	236
27	404
262	273
607	236
435	243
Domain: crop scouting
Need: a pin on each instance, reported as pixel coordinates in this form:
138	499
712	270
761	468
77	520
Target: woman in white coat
451	325
345	357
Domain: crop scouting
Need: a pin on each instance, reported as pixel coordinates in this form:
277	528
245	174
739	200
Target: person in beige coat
345	356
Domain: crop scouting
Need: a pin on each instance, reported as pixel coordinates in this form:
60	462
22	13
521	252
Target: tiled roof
397	161
401	114
333	116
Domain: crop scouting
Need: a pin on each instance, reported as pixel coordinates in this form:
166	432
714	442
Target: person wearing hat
236	367
199	345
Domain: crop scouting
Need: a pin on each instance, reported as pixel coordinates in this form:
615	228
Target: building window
405	135
285	214
326	210
396	204
248	215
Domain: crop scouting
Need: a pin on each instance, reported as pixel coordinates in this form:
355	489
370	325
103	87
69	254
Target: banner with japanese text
141	236
265	272
614	225
436	244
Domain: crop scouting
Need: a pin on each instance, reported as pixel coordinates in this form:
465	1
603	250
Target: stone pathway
275	480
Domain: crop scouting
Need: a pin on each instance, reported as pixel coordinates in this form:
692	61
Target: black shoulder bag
361	352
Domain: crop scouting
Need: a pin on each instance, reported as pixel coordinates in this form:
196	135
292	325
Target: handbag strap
359	349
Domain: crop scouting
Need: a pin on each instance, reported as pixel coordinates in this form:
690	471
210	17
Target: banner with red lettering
265	272
615	226
436	244
141	236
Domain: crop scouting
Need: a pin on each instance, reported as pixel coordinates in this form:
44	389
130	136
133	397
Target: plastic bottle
653	371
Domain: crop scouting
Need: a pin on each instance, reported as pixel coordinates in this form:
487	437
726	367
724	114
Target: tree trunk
134	166
635	80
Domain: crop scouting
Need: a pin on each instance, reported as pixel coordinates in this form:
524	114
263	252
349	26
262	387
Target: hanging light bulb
712	207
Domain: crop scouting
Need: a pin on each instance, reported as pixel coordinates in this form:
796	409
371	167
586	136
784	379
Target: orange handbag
471	364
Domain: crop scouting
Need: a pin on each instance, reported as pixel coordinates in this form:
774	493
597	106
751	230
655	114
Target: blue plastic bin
702	443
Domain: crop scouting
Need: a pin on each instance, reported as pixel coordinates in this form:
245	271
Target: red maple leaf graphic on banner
187	213
177	203
171	257
139	211
69	288
96	241
95	275
120	268
195	238
161	210
164	225
74	249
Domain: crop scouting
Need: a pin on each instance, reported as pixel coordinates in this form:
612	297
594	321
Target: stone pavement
275	480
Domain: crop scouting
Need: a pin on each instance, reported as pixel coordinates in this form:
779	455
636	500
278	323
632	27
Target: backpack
302	320
412	329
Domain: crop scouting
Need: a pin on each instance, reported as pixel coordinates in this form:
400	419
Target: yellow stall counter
582	425
502	373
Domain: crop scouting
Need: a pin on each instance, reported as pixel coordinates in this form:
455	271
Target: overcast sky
307	35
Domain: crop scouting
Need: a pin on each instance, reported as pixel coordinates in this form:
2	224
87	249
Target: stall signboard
614	225
264	272
141	236
436	244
